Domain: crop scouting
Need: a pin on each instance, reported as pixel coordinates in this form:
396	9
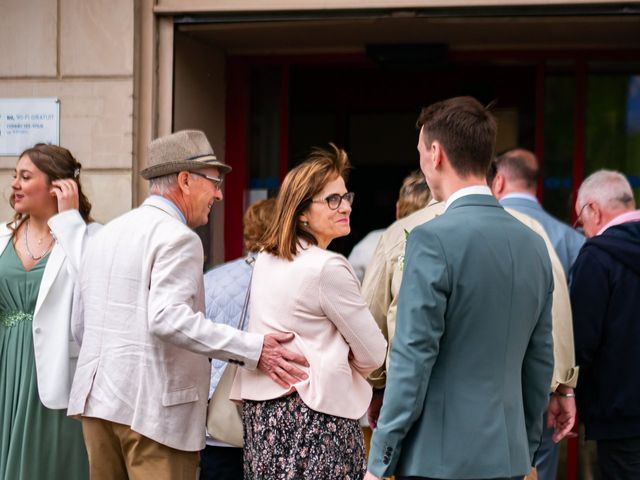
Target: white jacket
145	341
55	350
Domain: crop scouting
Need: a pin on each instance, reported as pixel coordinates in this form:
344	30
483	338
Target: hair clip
76	173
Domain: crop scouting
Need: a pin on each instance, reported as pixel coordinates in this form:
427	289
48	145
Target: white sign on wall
27	121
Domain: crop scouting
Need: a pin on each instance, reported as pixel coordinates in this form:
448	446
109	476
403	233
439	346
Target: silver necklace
26	243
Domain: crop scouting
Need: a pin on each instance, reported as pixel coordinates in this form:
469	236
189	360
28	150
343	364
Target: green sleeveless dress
35	442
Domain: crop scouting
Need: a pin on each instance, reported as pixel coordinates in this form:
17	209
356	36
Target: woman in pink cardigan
309	430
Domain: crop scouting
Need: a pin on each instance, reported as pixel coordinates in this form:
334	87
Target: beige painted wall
28	35
80	51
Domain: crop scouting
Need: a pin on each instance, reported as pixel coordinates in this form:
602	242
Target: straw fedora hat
184	150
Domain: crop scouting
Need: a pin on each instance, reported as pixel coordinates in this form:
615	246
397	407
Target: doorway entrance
284	82
370	110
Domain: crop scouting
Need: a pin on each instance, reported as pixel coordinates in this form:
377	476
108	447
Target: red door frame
236	153
579	122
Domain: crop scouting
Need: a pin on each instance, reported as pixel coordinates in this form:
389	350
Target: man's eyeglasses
334	200
217	181
578	221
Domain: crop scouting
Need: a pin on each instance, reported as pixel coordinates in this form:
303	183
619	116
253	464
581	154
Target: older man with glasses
605	298
142	379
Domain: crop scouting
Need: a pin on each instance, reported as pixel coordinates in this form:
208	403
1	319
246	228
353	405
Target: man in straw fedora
142	378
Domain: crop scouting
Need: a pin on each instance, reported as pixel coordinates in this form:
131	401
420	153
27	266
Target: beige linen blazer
382	280
144	339
317	298
55	350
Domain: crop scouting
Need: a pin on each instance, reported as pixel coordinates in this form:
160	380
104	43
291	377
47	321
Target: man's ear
498	184
597	214
184	182
437	154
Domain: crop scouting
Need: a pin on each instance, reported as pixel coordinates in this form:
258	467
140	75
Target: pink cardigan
317	297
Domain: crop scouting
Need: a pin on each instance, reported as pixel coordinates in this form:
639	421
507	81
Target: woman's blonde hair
298	189
256	220
414	194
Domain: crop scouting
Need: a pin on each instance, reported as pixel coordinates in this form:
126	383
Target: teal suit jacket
472	357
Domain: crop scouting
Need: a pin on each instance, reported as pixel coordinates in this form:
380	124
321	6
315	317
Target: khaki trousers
118	453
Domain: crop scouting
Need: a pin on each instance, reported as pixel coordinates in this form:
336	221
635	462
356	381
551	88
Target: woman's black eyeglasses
334	200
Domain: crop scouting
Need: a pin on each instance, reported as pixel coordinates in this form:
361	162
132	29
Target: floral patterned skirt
285	439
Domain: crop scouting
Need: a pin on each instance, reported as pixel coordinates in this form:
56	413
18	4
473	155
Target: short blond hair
414	194
256	220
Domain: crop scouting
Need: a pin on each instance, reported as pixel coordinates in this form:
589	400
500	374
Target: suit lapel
54	263
5	236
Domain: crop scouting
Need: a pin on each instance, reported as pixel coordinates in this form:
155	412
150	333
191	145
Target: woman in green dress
40	249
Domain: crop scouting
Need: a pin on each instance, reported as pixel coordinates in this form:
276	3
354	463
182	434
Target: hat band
202	156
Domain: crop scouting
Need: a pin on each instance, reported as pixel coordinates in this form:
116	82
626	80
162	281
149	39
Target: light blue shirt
522	195
172	205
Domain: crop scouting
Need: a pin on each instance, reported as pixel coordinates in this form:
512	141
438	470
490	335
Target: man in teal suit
472	357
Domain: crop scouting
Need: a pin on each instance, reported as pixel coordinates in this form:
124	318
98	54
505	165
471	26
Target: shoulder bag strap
243	315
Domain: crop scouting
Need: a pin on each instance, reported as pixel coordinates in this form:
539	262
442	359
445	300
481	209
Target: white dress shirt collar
463	192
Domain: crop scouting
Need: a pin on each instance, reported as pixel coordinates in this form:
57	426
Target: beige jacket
144	339
317	297
383	277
